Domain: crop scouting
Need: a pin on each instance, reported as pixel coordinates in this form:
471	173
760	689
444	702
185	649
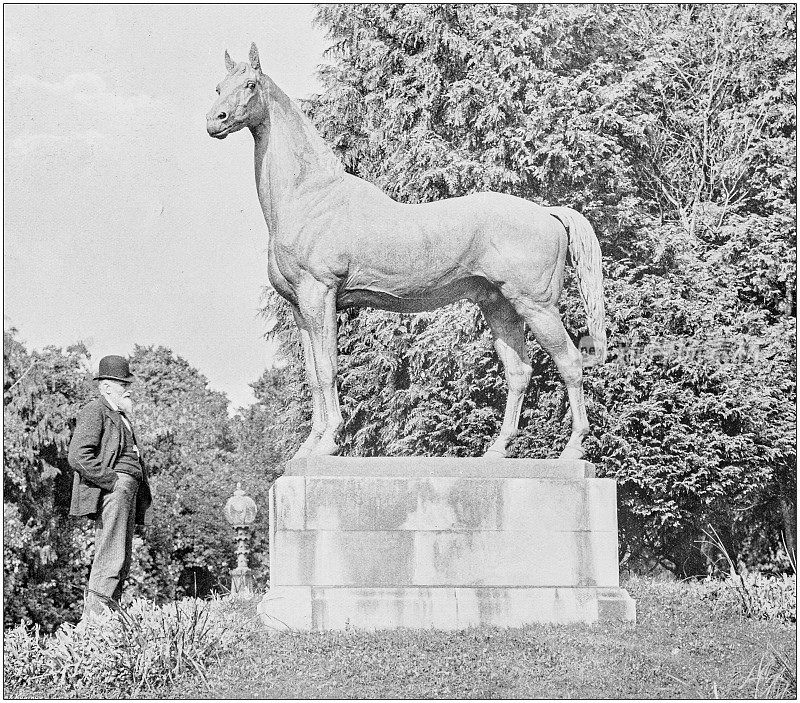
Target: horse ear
228	63
255	62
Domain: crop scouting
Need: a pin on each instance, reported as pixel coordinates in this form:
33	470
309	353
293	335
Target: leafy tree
43	574
189	449
714	93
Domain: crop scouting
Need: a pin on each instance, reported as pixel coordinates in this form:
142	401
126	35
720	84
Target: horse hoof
493	453
303	452
307	448
325	448
572	453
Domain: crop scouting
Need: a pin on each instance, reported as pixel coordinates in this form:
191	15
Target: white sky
124	222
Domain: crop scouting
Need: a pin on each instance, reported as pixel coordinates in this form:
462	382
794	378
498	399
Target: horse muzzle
217	129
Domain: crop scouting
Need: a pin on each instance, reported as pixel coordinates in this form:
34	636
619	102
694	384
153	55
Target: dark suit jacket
93	452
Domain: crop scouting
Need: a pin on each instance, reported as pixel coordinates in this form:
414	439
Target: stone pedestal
439	542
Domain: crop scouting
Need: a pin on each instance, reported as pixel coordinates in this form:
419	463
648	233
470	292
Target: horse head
242	100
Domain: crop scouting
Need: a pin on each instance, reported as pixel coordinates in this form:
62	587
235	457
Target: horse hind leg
508	330
547	327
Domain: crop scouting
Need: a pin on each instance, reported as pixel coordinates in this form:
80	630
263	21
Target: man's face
119	393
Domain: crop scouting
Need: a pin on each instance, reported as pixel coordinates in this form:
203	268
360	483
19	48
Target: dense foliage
190	455
43	565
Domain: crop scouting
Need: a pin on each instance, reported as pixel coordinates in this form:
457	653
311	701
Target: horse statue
337	241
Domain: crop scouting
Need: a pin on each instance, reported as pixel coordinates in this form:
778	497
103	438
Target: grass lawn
683	646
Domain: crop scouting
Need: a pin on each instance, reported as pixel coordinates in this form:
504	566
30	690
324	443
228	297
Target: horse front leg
317	304
318	412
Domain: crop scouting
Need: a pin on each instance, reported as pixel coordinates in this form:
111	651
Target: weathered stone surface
288	503
332	608
433	466
516	558
399	543
444	503
438	558
329	558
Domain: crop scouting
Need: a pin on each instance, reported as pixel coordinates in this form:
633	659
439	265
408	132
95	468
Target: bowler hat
114	368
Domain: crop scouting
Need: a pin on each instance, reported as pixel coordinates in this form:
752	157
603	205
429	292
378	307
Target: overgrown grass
686	644
135	651
691	640
757	596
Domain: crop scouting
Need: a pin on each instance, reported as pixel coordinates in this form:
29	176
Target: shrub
762	597
139	648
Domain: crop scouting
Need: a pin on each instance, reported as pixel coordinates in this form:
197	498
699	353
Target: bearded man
110	483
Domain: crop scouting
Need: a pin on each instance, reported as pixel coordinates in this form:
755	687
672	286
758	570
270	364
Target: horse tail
584	249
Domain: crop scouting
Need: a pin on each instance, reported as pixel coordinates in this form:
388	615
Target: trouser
113	543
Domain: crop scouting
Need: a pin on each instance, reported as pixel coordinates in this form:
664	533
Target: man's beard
126	406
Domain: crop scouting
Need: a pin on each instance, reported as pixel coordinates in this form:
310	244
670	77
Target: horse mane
307	141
